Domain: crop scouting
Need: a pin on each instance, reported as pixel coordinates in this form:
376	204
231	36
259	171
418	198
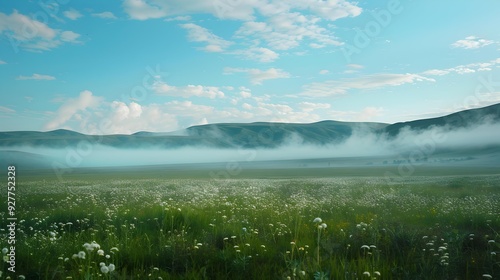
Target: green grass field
121	227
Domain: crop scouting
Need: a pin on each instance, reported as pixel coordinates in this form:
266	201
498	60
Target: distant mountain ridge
247	135
455	120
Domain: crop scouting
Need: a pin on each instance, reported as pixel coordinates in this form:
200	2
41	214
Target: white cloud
179	18
6	110
245	92
324	72
30	34
2	62
106	15
331	10
238	10
316	46
122	118
281	25
471	42
72	14
162	88
150	9
355	66
258	53
285	31
464	69
197	33
69	36
247	106
123	111
257	76
309	106
142	10
334	87
36	77
436	72
72	106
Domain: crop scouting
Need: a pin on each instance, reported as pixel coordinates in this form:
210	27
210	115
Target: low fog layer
417	145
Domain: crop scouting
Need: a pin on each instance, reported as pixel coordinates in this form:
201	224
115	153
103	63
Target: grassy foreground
325	228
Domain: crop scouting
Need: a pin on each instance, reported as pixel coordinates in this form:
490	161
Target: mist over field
434	144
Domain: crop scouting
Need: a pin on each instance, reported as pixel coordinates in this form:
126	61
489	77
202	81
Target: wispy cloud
36	77
143	10
258	53
464	69
310	106
335	87
472	42
162	88
257	76
179	18
6	110
281	25
239	10
285	31
353	68
30	34
72	14
105	15
2	62
213	42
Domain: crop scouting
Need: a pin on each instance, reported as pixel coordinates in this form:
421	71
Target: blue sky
161	65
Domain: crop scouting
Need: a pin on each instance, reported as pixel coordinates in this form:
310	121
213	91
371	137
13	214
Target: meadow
423	227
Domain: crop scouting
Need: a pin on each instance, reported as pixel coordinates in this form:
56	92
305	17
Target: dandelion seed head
317	220
104	269
81	255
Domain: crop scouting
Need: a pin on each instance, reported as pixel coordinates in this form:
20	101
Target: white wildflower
81	255
104	269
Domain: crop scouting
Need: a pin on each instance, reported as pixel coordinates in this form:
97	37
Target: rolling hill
247	135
